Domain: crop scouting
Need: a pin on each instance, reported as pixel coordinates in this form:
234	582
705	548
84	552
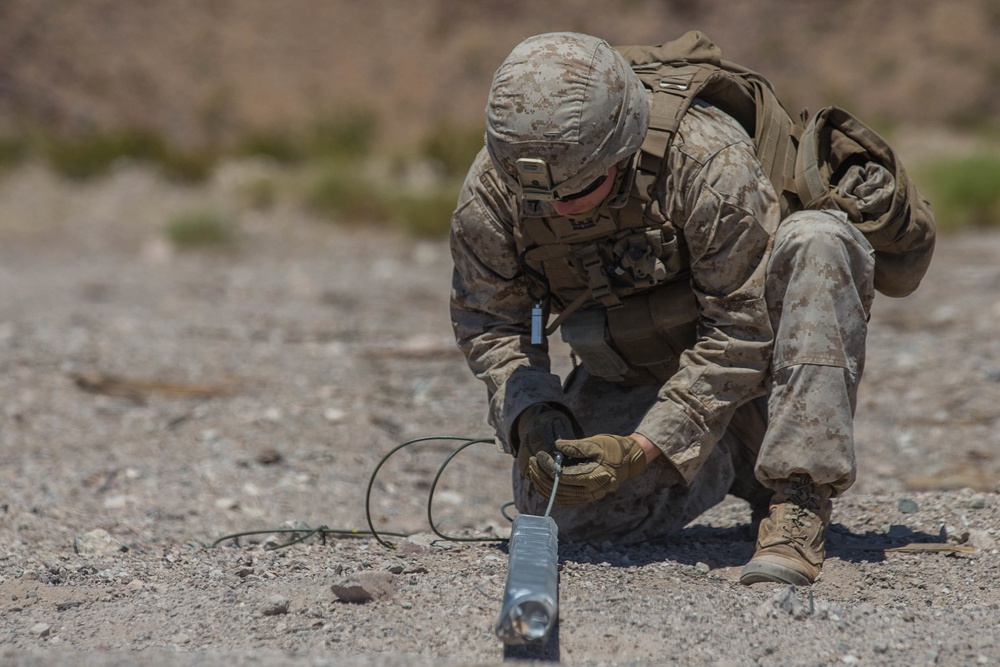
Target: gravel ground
152	401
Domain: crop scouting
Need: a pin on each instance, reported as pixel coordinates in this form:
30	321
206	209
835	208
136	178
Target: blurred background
373	110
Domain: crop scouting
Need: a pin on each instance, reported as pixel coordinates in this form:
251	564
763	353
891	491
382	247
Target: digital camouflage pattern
582	110
782	312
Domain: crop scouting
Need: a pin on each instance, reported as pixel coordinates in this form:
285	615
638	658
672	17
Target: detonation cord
303	534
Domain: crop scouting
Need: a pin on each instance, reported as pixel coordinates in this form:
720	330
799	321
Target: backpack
830	160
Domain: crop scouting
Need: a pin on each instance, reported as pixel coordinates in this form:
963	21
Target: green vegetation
339	151
93	154
341	136
453	150
963	192
12	151
346	196
199	229
427	213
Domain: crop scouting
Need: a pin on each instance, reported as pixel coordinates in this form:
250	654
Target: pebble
785	601
907	506
976	502
703	567
40	630
97	542
365	586
275	605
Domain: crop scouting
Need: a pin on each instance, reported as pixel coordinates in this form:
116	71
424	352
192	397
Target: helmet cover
562	109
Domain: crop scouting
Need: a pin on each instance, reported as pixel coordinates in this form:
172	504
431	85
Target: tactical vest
619	283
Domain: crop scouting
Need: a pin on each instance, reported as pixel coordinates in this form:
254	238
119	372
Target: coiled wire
302	535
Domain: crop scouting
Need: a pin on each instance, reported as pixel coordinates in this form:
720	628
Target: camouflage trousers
819	292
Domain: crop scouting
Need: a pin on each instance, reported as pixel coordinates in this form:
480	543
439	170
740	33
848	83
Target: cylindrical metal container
531	596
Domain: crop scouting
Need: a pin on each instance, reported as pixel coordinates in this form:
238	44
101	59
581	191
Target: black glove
538	428
596	467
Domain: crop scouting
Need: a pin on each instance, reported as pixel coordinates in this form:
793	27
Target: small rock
334	415
703	568
907	506
269	457
786	601
419	543
365	586
395	568
227	504
275	605
40	630
97	542
866	609
976	502
134	586
956	535
880	647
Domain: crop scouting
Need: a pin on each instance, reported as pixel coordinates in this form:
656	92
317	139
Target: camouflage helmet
562	109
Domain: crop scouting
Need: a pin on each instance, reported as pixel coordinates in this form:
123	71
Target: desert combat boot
791	541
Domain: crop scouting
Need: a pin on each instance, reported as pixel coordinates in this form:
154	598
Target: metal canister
531	595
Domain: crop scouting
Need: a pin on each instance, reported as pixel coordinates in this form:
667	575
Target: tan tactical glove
595	467
538	428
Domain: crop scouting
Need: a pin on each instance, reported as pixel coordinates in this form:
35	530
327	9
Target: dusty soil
169	398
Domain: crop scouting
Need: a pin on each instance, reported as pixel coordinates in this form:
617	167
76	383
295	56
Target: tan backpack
833	161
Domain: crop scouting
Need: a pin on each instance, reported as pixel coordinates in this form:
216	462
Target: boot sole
756	572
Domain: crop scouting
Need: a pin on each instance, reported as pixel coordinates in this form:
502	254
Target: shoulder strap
692	66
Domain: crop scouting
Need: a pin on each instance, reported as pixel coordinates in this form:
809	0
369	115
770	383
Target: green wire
323	531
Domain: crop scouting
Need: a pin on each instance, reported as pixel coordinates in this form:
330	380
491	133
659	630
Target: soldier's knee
823	235
816	229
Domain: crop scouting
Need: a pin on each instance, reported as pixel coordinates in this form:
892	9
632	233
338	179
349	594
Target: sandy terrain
153	400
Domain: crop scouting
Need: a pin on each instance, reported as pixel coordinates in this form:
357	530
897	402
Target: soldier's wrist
649	449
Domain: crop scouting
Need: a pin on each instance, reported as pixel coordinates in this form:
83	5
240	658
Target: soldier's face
588	201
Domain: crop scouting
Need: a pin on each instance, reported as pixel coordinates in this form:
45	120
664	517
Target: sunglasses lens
587	190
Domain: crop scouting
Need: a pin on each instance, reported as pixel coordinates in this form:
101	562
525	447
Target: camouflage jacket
727	212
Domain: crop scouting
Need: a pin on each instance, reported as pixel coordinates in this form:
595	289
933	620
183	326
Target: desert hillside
200	71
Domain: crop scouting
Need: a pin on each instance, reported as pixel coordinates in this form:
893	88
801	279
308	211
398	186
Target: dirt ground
152	401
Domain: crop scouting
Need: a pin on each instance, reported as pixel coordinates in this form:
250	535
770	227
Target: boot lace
801	506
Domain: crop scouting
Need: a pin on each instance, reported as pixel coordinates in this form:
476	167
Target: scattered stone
269	457
395	568
976	502
40	630
419	543
134	586
227	504
703	568
334	415
866	609
956	535
787	602
275	605
982	539
63	606
365	586
907	506
97	542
